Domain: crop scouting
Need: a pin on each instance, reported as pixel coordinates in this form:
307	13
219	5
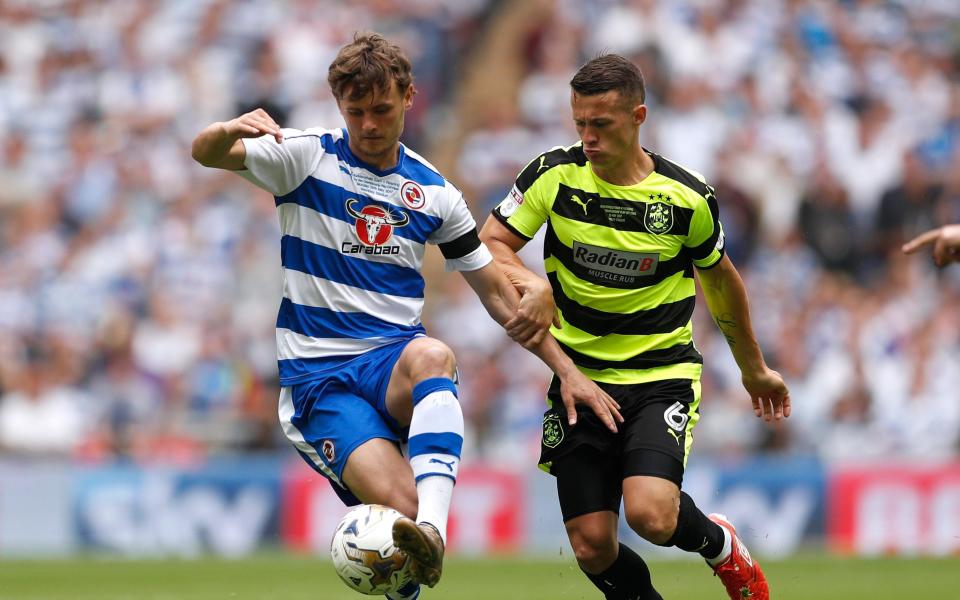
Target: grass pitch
298	578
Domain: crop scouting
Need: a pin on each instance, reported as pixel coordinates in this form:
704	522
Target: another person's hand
535	312
578	389
769	394
253	125
945	240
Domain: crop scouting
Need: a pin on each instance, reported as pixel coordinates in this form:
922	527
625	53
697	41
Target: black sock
628	578
695	532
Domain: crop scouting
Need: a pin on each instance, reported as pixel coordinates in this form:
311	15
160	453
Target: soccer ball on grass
363	552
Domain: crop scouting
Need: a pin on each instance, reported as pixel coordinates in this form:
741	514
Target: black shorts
591	462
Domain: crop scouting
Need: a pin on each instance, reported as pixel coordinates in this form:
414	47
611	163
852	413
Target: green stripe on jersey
626	376
620	301
616	347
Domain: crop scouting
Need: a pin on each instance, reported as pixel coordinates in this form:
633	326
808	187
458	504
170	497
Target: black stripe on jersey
703	250
506	223
622	215
548	160
678	173
662	319
462	246
677	264
681	353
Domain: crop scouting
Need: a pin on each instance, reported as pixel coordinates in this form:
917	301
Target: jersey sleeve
525	210
704	241
280	168
457	236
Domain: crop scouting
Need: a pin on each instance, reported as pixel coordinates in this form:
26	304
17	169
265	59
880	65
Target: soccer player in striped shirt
358	373
626	229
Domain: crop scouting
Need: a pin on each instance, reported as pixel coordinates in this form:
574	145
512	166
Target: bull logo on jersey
552	431
658	217
412	195
374	223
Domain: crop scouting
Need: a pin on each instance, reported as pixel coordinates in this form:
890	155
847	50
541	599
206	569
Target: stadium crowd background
138	290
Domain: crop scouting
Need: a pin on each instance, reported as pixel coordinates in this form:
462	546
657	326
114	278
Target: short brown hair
610	72
368	63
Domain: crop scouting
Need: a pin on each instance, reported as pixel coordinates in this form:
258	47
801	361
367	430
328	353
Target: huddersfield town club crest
658	218
552	431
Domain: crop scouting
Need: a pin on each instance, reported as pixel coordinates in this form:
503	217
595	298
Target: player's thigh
422	358
588	486
376	473
658	434
327	423
656	442
588	481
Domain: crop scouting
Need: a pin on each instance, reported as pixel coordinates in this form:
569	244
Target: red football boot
740	574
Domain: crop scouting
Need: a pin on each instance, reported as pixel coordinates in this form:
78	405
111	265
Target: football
363	552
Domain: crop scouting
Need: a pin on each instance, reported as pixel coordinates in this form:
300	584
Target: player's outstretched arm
536	310
501	299
219	145
945	241
727	301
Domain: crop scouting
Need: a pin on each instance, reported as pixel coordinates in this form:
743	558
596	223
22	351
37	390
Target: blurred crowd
138	291
831	131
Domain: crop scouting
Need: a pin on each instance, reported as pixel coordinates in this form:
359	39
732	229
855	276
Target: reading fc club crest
552	431
658	218
329	451
412	195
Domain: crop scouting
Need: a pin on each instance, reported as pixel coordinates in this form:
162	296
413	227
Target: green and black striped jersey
620	260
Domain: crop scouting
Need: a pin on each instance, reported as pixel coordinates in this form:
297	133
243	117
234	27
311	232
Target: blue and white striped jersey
353	243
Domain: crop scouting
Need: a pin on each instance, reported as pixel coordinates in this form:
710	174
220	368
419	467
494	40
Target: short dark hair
610	72
368	63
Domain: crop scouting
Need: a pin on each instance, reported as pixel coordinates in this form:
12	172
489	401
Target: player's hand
945	240
769	394
253	125
535	313
577	389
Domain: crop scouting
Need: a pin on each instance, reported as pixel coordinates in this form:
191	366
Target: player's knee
594	553
431	358
656	525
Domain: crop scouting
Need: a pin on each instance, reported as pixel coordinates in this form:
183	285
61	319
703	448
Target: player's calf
436	438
